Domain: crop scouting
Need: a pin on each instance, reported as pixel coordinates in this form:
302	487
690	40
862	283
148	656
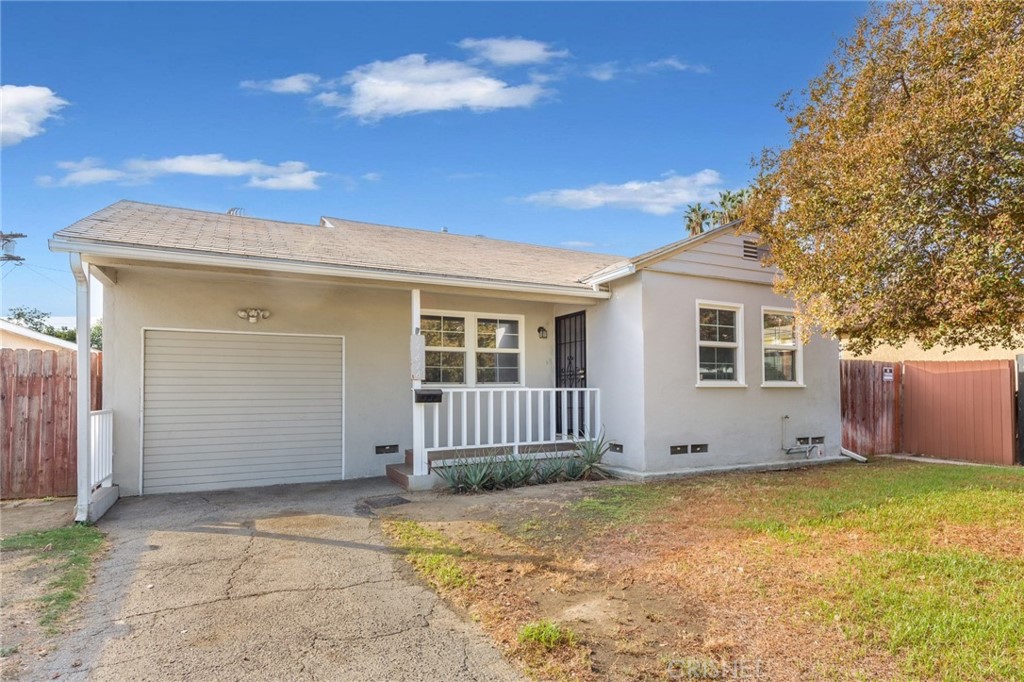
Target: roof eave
608	275
183	257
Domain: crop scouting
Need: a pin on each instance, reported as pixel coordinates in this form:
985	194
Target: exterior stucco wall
740	425
615	364
374	322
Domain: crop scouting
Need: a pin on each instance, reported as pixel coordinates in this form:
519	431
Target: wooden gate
870	405
38	421
960	410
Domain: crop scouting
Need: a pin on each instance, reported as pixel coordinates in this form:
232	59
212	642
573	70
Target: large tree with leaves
897	209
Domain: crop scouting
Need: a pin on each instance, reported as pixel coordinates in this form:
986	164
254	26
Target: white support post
419	451
83	388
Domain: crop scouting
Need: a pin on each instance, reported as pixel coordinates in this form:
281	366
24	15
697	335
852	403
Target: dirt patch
19	516
23	641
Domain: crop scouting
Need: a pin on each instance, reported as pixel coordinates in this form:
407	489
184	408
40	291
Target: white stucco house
243	352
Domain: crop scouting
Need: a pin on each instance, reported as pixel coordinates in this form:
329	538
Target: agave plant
574	469
478	475
550	470
520	471
451	473
590	453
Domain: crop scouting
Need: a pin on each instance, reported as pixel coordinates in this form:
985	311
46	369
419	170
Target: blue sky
583	125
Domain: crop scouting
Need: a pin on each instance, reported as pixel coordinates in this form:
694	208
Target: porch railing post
80	270
419	451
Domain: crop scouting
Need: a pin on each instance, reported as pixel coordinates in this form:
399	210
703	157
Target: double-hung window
471	349
719	344
781	350
445	340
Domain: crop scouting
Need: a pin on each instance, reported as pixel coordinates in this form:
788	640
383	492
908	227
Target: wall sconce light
254	315
542	332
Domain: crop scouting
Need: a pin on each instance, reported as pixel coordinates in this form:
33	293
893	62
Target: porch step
399	473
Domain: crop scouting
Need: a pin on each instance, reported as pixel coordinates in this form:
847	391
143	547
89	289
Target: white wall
740	425
374	322
615	364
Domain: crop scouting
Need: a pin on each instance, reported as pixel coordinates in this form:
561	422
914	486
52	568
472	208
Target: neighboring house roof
11	329
348	247
627	266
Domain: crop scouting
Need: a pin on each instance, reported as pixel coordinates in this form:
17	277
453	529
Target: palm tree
729	206
696	218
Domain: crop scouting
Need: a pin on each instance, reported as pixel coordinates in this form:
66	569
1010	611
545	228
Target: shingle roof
336	243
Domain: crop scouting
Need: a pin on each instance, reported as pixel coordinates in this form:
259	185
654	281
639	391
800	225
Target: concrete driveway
281	583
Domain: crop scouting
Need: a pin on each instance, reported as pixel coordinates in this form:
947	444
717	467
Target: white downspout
80	270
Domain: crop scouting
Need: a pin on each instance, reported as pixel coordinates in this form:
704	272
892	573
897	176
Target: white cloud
611	70
658	197
373	176
290	181
413	84
88	171
512	51
573	244
23	109
673	64
290	175
300	83
604	72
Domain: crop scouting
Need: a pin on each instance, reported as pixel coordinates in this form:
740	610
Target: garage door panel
229	410
164	462
202	423
233	441
206	473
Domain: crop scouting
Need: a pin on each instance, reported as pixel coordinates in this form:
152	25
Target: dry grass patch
892	570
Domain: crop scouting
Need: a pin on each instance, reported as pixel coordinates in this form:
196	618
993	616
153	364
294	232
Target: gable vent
750	250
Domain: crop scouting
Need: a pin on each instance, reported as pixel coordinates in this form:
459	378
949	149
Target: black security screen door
571	365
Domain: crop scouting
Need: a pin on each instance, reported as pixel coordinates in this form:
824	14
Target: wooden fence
960	410
953	410
38	421
870	406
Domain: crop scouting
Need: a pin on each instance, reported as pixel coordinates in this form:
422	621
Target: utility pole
7	243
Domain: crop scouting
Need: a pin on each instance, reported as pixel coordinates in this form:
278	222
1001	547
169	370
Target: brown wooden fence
952	410
38	421
870	406
960	410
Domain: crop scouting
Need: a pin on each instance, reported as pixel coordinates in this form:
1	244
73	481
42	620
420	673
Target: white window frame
741	376
798	348
472	347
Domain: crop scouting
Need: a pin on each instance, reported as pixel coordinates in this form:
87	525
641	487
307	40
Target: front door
571	366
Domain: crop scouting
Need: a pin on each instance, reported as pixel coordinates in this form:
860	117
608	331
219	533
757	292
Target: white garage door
228	410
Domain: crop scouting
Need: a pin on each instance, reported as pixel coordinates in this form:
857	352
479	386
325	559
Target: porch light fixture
254	315
542	332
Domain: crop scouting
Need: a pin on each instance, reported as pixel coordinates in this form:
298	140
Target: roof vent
236	211
750	250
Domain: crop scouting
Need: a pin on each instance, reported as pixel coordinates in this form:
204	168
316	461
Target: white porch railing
516	418
101	448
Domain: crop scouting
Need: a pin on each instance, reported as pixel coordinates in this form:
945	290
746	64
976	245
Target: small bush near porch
891	570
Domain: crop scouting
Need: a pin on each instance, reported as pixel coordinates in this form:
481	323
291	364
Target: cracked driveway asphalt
278	583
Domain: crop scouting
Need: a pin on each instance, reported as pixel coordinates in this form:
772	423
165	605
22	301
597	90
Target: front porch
496	422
